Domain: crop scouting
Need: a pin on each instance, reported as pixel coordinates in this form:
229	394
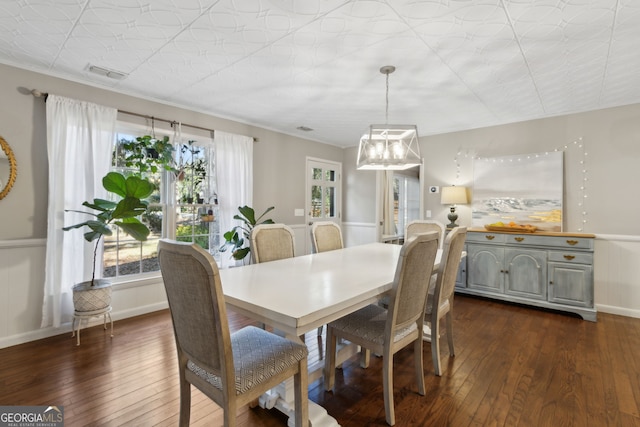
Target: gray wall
611	137
279	159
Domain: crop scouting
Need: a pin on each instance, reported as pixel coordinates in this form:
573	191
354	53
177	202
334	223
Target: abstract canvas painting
525	189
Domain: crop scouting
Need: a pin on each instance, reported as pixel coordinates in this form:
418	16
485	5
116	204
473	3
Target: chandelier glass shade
390	147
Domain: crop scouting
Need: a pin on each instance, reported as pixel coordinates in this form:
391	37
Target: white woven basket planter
87	298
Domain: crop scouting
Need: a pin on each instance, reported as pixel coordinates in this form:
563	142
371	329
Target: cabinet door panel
461	279
526	273
571	284
484	268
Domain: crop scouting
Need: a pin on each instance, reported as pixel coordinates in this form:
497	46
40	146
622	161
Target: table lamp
453	196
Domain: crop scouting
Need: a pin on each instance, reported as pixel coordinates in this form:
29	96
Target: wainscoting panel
358	233
616	272
21	289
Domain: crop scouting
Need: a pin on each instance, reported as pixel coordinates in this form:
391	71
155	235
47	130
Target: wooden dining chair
231	369
424	226
386	331
326	236
271	242
440	298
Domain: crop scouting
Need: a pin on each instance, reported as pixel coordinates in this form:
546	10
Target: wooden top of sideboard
537	233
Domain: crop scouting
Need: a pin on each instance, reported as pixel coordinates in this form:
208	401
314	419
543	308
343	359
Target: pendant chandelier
390	147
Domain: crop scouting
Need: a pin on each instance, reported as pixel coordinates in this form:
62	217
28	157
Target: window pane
316	201
125	258
192	185
150	255
316	173
330	202
330	175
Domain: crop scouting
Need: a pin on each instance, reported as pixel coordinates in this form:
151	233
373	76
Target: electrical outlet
428	214
298	212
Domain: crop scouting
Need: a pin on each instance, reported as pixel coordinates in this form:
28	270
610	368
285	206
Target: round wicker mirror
8	168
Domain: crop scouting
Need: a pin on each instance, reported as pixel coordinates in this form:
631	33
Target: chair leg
185	402
365	357
330	360
419	364
387	386
450	333
435	346
301	395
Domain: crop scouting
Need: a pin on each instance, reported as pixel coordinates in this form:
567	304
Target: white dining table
297	295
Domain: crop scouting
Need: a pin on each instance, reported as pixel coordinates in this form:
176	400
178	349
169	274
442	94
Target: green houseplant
146	154
234	238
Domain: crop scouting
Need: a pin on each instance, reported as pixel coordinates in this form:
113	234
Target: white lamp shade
454	195
390	147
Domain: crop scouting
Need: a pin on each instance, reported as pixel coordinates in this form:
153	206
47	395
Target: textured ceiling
280	64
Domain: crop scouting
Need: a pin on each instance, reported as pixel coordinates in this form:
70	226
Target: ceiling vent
112	74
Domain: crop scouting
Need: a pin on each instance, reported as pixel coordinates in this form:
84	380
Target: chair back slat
326	236
424	226
411	283
271	242
196	302
448	272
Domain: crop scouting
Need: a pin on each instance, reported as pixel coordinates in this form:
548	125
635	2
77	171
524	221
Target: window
184	206
406	200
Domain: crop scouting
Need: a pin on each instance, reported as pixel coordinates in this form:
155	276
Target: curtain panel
234	167
80	137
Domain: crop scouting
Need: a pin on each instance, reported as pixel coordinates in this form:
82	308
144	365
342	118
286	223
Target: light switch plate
298	212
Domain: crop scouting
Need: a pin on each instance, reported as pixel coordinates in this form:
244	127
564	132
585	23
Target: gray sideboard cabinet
550	270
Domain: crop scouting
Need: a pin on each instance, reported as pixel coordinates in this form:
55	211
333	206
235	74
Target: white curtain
388	221
234	154
80	136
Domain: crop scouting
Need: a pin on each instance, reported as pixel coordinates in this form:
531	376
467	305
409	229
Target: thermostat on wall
434	189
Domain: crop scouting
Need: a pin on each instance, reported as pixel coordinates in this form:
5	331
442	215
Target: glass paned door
323	192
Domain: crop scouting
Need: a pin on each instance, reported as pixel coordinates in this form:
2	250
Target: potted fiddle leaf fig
128	194
234	238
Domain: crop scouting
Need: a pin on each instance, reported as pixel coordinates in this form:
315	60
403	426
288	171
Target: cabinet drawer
571	257
529	240
486	237
572	242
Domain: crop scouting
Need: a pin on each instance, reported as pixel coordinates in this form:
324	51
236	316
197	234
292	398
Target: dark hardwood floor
514	366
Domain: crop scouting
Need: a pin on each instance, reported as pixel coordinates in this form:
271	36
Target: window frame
168	197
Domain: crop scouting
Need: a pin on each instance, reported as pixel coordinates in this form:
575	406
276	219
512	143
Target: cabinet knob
519	239
489	237
569	257
572	242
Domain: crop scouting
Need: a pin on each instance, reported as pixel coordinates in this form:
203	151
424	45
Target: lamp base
453	216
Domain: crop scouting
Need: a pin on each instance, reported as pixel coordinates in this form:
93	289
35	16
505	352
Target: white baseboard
65	328
618	311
